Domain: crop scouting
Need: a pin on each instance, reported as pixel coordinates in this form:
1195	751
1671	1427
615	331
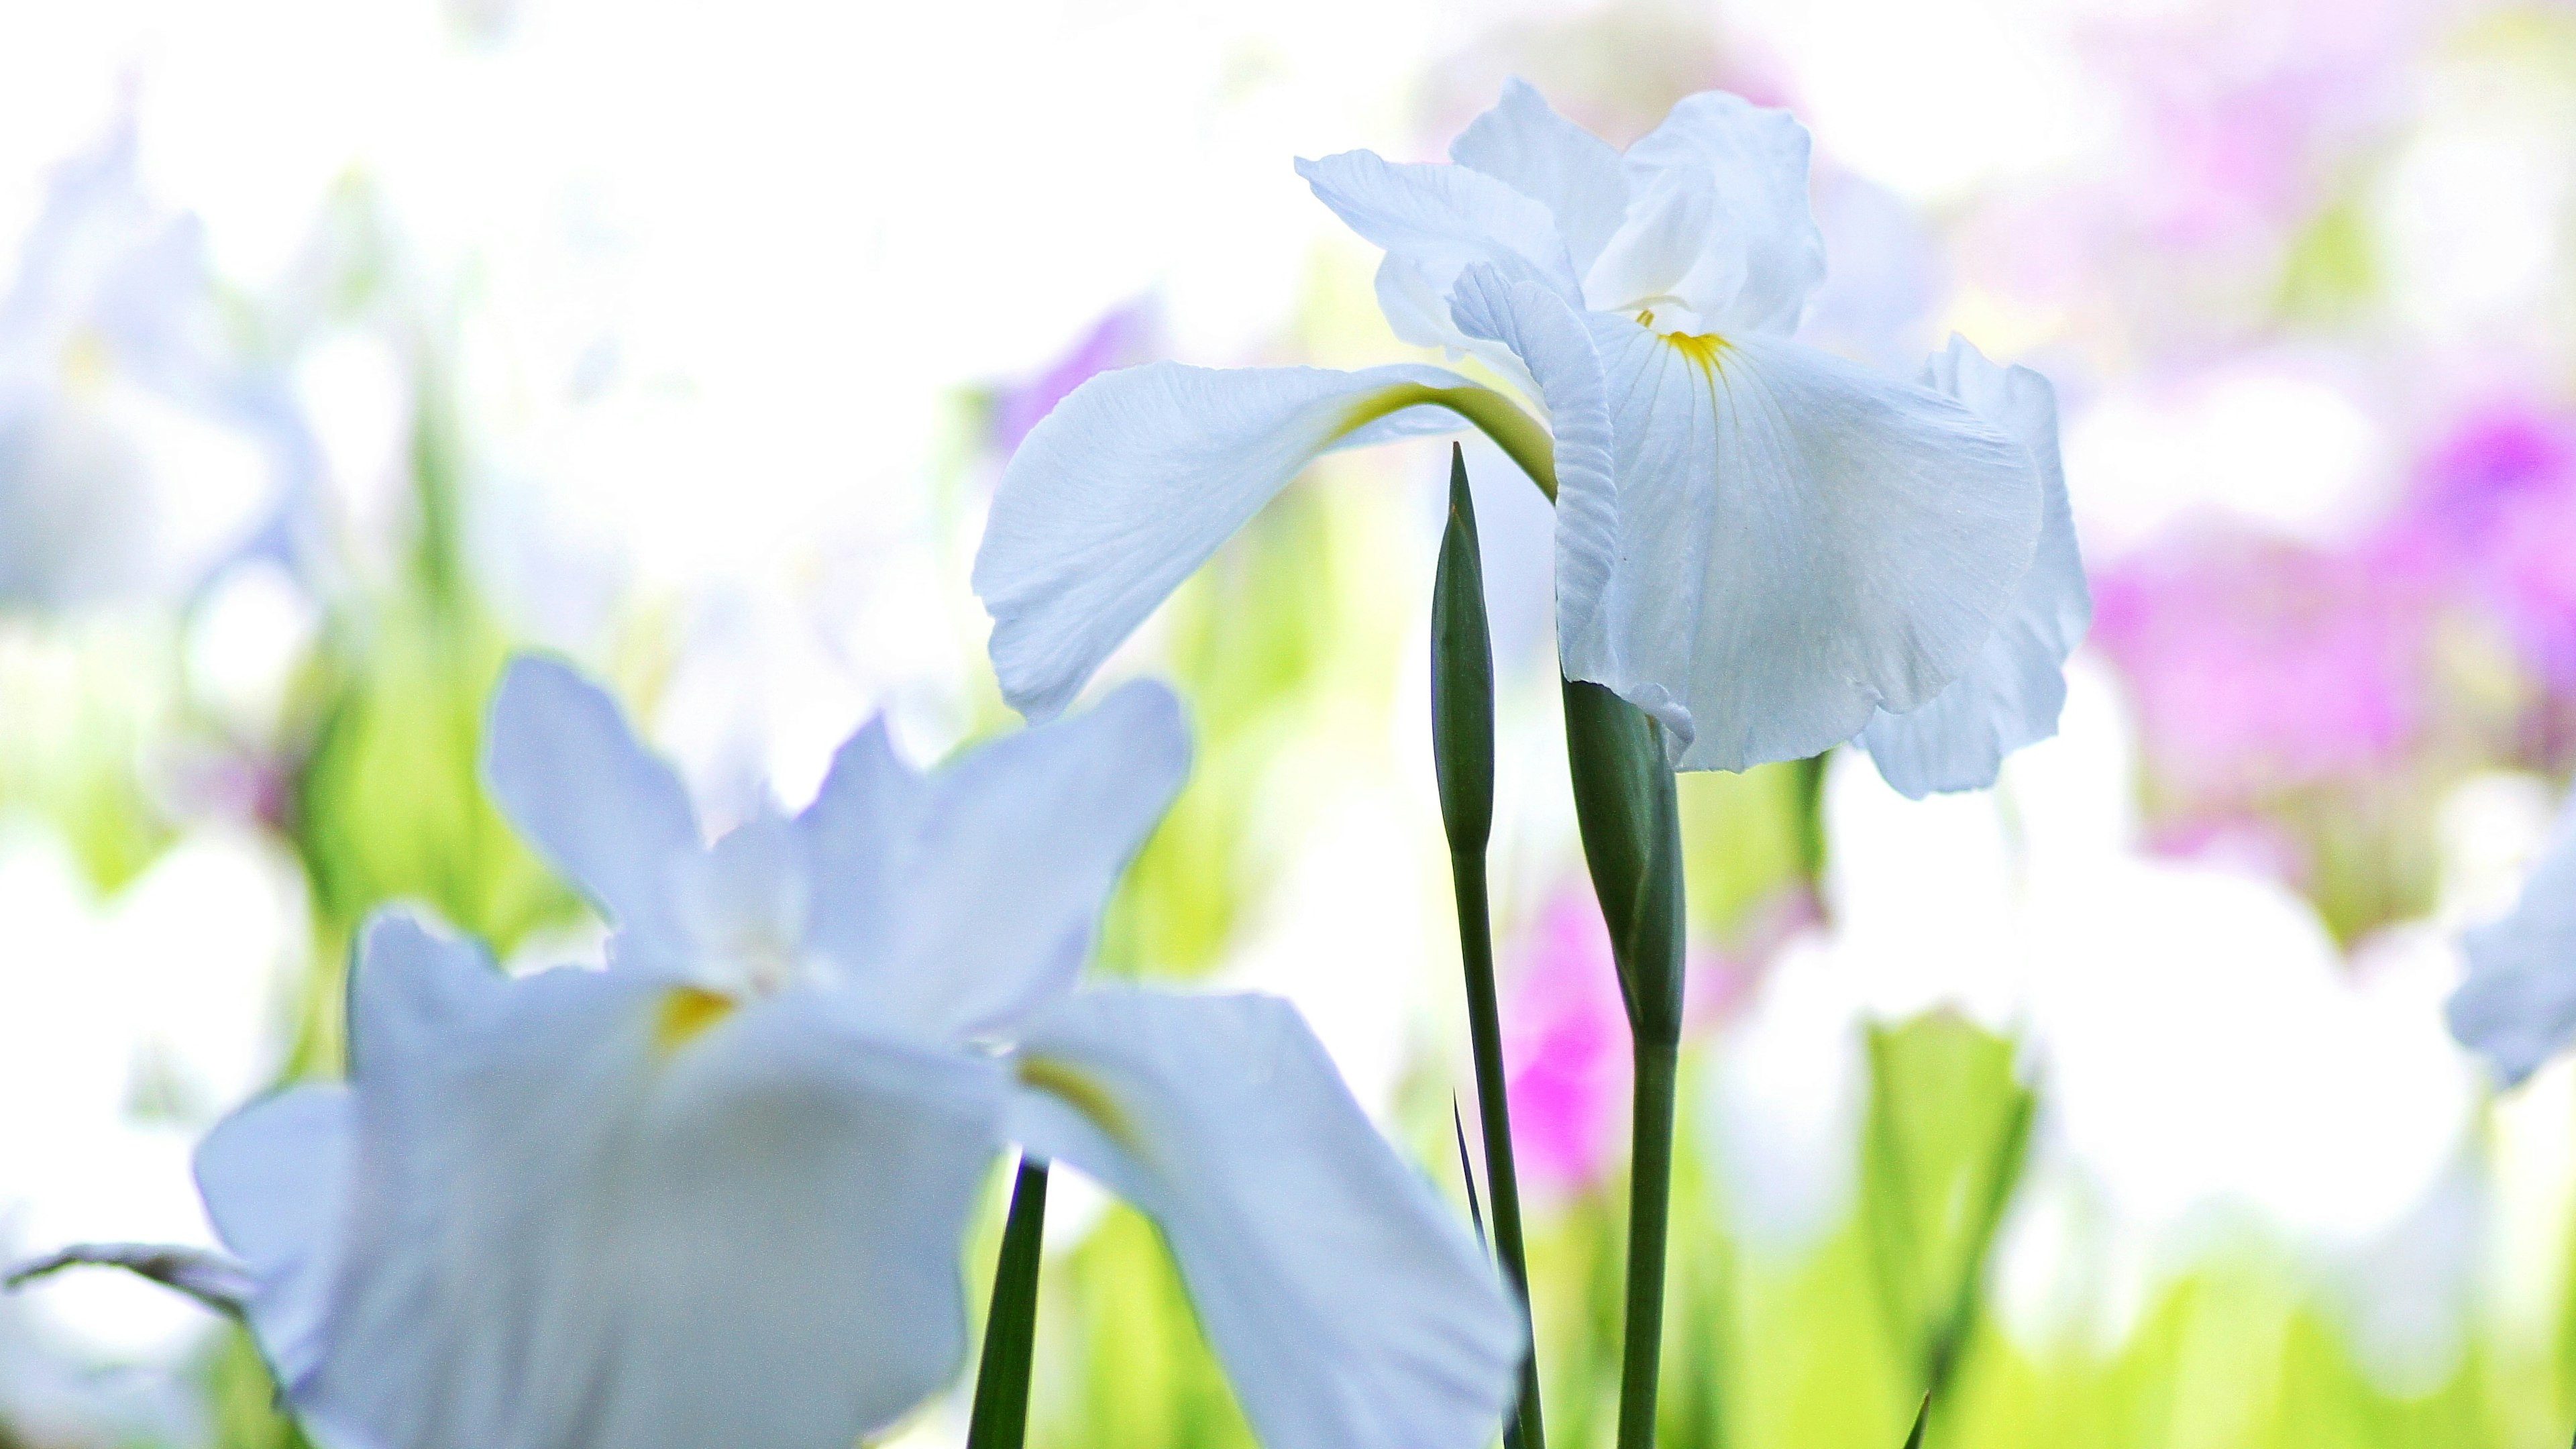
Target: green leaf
1001	1414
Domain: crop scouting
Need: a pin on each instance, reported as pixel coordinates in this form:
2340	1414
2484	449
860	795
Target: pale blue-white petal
1347	1303
599	807
1718	220
1549	159
1019	844
2011	696
2518	1006
1128	486
857	832
1444	219
593	1208
275	1177
1801	541
1553	342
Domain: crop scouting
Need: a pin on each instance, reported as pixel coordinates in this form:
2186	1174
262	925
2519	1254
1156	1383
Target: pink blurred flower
2497	499
1565	1045
2258	663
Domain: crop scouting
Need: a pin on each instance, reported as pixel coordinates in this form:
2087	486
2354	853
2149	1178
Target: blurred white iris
717	1191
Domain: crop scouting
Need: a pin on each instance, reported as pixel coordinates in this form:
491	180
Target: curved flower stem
1521	437
1650	1186
1001	1412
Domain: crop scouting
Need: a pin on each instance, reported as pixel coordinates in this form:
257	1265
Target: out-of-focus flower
721	1186
1124	338
1566	1038
1871	533
2518	1006
137	450
2258	663
2497	497
135	1020
2011	695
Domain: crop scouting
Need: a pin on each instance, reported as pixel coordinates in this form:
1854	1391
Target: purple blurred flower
1123	338
2497	499
2258	663
1566	1043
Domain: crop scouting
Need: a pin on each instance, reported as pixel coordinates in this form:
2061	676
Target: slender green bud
1462	674
1631	822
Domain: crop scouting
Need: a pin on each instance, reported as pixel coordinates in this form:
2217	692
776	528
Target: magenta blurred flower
1123	338
1566	1043
2258	662
2497	498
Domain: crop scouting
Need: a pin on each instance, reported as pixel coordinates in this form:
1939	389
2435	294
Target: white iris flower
717	1192
2518	1006
2012	694
1761	544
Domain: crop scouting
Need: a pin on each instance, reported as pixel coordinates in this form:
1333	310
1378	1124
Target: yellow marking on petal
1082	1092
87	361
1517	433
687	1012
1707	349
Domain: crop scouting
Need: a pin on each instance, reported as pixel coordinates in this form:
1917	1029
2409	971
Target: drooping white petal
602	810
1019	846
275	1177
1444	219
595	1208
1134	479
1549	159
1800	541
2011	695
1552	341
1718	220
2518	1006
856	831
1348	1306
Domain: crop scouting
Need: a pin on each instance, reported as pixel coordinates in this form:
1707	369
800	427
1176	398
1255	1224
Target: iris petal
1348	1306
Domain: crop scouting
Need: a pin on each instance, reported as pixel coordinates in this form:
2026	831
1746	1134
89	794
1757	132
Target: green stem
1528	1429
1001	1413
1650	1187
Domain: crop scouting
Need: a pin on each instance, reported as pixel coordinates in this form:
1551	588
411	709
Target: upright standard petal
2011	696
1800	541
275	1177
594	1208
2518	1006
1128	486
1527	146
857	833
600	808
1348	1306
1718	221
1444	219
1020	845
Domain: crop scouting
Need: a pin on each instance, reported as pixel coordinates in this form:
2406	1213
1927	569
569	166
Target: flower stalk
1462	749
1625	804
1001	1413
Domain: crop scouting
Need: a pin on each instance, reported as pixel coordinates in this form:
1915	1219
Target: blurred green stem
1001	1413
1650	1190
